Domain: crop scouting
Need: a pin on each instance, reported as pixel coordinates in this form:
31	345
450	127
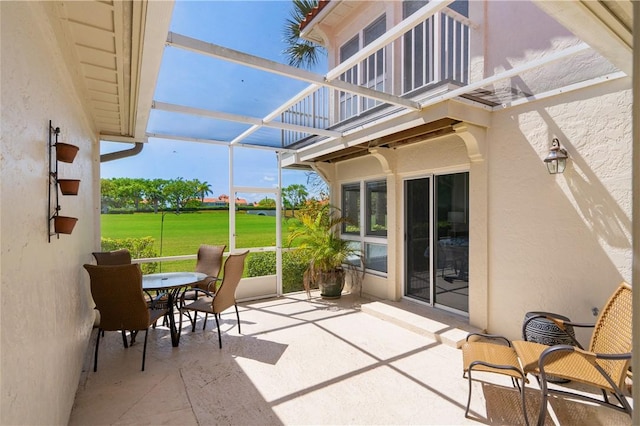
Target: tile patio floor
303	362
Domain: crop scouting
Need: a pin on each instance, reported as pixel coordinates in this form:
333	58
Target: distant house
214	202
222	201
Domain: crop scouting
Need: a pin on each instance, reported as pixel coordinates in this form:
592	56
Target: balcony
302	361
432	54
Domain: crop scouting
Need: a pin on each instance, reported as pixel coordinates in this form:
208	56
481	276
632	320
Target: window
375	257
436	49
351	208
371	72
373	69
377	208
371	237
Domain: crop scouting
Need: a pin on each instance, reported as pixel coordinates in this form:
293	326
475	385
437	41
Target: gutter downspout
122	154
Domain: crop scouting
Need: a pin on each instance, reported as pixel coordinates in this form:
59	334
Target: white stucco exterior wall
559	243
537	242
46	314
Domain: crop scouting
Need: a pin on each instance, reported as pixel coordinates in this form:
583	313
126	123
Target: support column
387	159
475	140
635	194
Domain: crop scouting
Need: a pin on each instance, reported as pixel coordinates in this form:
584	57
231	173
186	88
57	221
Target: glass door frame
432	244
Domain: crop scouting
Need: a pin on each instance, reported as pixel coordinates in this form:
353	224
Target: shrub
293	266
138	247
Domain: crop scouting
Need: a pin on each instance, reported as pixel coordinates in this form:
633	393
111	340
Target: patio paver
300	361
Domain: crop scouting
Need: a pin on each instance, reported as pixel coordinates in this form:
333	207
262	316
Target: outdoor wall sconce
557	159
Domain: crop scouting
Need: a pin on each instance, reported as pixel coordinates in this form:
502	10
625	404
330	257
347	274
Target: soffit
109	45
330	13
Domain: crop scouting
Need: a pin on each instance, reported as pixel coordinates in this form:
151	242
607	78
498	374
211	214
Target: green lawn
184	233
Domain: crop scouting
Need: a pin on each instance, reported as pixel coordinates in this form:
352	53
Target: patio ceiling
117	54
114	48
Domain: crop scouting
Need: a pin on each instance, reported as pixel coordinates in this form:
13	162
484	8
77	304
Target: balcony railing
433	51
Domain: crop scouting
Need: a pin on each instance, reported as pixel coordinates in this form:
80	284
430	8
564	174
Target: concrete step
445	327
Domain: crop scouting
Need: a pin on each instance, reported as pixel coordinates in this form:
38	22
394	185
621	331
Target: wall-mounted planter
64	224
69	186
66	152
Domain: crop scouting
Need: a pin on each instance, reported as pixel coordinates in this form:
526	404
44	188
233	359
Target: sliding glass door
437	240
417	195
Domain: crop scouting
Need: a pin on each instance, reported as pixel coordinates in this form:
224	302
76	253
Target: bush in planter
330	257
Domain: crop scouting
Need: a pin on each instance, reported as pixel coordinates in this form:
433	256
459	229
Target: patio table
171	283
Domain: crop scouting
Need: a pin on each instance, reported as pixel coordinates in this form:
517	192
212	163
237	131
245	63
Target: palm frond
300	52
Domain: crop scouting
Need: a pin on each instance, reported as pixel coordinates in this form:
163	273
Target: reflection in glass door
437	240
452	242
417	239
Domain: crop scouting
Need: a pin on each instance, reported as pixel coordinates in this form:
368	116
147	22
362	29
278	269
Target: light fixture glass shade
556	161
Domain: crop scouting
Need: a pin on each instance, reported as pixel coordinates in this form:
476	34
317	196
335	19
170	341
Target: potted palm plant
331	259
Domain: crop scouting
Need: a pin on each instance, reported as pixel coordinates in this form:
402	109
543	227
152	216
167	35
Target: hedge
293	266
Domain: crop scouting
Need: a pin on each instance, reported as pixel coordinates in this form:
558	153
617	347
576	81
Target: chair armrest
490	336
163	304
211	281
196	290
560	323
590	356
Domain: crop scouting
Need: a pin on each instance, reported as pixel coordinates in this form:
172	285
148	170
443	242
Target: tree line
176	194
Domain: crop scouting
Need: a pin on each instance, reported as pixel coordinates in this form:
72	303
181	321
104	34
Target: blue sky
186	78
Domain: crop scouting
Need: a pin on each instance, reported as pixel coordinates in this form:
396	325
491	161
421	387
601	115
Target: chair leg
95	356
466	413
204	324
238	316
144	349
124	338
218	325
543	399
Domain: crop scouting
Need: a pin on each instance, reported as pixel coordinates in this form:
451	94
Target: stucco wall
46	314
559	243
556	243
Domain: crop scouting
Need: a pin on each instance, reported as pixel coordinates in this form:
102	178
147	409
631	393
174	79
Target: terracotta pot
69	186
66	152
64	224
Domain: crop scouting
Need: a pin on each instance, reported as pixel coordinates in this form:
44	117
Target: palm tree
204	189
300	52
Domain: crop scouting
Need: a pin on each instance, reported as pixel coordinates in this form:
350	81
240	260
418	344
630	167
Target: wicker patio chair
117	293
216	301
604	365
209	262
116	257
123	257
492	354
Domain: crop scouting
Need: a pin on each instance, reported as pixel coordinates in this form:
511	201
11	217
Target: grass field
184	233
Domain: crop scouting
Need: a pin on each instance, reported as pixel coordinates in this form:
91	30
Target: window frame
369	208
361	237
